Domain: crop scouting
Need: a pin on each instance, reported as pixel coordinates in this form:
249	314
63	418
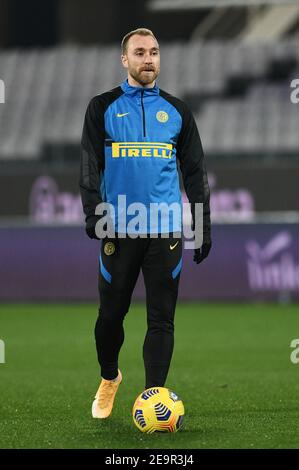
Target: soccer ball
158	409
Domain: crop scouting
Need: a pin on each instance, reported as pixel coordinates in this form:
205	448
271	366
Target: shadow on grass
117	434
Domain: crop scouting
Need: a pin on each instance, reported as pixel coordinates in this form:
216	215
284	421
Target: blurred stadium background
232	61
236	63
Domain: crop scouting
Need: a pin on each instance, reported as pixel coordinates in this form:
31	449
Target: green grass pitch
231	366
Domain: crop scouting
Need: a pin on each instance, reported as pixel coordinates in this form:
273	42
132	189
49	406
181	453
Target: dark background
50	22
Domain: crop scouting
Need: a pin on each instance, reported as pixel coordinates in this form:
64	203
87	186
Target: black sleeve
192	164
92	157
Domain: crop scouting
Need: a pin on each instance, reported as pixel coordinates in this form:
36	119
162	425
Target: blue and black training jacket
133	138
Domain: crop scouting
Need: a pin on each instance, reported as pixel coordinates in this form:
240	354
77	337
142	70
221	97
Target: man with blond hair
133	137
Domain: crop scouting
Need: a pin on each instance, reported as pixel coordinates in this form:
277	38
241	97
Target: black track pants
160	260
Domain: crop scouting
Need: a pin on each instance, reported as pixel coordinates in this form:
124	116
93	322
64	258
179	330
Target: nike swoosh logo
172	247
121	115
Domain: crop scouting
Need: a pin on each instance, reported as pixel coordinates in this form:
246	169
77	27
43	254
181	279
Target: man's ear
124	61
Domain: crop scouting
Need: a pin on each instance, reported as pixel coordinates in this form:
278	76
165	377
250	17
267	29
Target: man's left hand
201	253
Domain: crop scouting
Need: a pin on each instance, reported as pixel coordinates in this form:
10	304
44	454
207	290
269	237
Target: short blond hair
141	32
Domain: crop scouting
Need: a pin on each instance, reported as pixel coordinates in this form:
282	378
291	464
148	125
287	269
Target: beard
144	76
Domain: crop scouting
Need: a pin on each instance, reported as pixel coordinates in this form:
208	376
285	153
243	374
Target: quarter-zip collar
138	90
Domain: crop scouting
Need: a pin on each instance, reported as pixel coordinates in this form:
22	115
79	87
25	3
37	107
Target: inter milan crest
162	116
109	248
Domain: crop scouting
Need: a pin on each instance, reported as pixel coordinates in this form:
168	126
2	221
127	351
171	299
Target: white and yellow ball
158	409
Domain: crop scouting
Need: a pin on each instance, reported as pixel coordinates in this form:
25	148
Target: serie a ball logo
158	409
162	116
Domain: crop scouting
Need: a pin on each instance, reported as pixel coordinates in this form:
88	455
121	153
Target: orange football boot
104	399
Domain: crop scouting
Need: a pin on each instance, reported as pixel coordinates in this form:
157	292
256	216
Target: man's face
142	59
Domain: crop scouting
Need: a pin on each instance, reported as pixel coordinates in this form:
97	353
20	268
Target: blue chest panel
124	120
142	130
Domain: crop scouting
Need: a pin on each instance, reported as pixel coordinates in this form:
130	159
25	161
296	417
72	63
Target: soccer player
133	138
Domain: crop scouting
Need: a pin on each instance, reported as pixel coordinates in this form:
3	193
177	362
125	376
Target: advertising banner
52	196
248	262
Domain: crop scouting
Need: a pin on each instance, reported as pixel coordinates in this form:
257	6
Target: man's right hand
90	227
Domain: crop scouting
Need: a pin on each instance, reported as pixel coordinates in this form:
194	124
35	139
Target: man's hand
91	226
201	253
